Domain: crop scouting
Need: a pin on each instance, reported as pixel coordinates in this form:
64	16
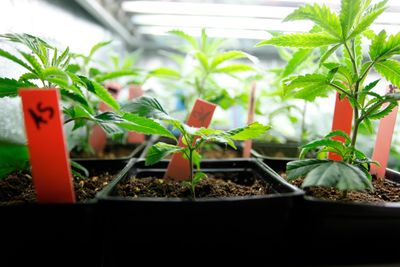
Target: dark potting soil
17	188
215	185
384	191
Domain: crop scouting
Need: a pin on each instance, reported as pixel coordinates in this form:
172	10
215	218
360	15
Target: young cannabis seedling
199	63
193	138
347	76
46	67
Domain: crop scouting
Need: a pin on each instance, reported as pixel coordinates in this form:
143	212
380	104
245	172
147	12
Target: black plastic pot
139	227
137	150
289	151
343	232
61	234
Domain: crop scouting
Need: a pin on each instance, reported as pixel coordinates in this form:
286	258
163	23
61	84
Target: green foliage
193	138
301	40
13	157
208	60
327	173
346	74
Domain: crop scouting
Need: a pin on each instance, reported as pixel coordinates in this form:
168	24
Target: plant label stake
250	118
342	120
134	92
98	138
47	146
383	141
200	116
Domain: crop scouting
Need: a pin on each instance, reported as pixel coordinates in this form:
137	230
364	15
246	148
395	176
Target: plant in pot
232	202
201	65
90	140
56	223
341	192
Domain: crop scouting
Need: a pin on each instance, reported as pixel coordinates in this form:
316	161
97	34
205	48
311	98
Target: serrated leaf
348	13
368	18
73	68
297	59
340	133
146	106
382	112
299	168
339	175
320	15
165	73
301	40
191	40
13	58
225	56
337	146
390	70
77	98
101	92
115	74
159	151
31	59
306	87
139	124
251	131
96	47
328	53
9	87
202	59
234	68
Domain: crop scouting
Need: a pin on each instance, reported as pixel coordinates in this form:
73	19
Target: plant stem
303	123
353	62
191	172
344	194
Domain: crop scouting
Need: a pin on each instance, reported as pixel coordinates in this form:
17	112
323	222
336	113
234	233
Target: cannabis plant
193	138
343	33
46	67
200	63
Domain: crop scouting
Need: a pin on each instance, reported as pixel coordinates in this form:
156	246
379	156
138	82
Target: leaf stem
353	62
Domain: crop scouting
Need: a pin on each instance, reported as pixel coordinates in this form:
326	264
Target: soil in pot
17	188
215	185
384	191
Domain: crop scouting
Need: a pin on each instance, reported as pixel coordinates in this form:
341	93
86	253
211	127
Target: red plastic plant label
250	117
98	137
134	92
382	143
342	120
201	115
47	146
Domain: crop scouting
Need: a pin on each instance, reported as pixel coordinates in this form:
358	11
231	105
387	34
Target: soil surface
17	188
384	191
110	152
216	185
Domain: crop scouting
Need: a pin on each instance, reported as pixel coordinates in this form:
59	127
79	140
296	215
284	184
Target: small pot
175	225
289	151
40	233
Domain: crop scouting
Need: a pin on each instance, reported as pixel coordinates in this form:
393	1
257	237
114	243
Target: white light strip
221	22
179	8
224	33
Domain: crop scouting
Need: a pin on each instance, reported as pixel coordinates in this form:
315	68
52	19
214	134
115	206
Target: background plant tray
130	151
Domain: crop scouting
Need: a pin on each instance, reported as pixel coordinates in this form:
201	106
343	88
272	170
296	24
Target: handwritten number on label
37	115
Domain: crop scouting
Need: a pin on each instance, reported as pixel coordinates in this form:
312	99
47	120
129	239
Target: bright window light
225	33
206	9
221	22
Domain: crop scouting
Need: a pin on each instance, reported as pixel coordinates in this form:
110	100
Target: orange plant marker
342	120
200	116
250	119
47	146
382	143
98	138
134	92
